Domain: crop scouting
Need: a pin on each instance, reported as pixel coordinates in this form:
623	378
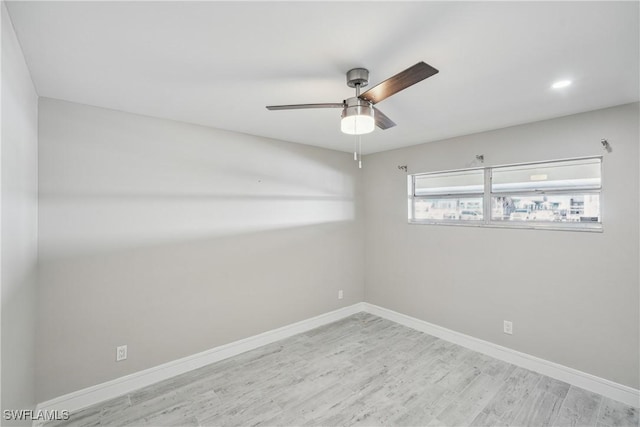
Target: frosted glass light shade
357	120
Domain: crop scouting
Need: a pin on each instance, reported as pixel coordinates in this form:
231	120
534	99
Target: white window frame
487	196
413	197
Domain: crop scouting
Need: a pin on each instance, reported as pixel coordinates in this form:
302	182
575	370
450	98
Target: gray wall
572	296
19	153
174	238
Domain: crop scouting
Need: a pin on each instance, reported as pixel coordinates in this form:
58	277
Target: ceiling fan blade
382	121
302	106
400	81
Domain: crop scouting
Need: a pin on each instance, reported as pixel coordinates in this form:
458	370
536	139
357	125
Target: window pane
565	175
461	209
449	183
547	208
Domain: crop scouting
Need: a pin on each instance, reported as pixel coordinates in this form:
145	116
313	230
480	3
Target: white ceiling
220	63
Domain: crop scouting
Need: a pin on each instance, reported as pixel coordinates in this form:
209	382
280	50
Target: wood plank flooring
360	371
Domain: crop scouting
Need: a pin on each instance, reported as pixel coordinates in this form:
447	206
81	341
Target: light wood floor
362	370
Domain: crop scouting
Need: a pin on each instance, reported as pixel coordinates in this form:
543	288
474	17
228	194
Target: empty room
300	213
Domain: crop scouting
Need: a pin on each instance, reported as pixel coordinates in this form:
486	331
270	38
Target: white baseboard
99	393
615	391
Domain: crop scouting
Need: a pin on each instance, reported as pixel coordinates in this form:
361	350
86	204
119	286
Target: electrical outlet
508	327
121	353
340	294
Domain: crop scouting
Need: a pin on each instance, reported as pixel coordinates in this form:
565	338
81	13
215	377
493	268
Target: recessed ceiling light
560	84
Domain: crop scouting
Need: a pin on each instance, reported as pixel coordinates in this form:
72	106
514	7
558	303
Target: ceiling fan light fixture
358	119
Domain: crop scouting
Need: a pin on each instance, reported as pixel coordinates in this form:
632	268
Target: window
448	196
560	194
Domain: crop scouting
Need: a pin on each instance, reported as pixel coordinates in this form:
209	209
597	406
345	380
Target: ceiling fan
359	116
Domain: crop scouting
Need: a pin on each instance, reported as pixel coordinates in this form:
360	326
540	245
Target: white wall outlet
121	353
340	294
508	327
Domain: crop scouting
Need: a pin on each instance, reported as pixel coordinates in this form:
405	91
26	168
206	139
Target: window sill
592	228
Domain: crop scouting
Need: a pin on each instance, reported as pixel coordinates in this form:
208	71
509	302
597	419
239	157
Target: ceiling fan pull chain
360	151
